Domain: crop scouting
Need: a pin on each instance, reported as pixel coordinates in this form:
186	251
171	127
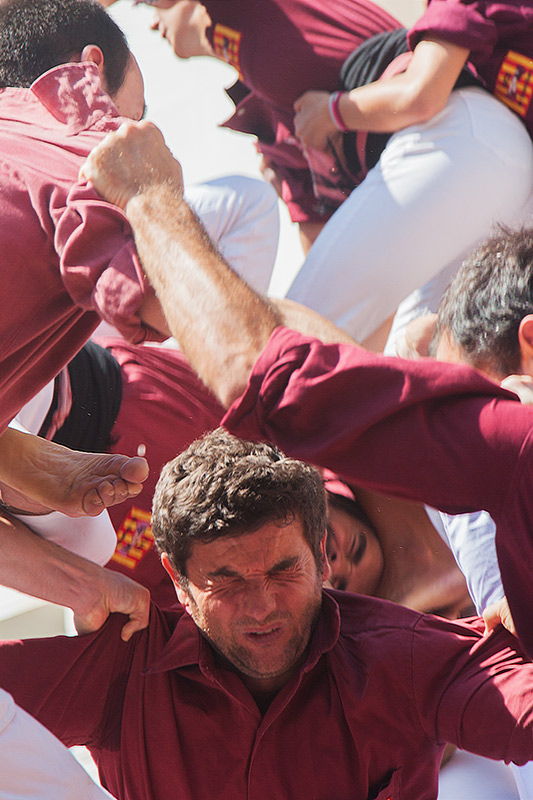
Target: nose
260	601
338	566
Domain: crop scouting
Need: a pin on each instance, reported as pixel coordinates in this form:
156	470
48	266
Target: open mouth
264	636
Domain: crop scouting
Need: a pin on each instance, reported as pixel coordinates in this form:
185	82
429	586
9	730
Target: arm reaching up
219	322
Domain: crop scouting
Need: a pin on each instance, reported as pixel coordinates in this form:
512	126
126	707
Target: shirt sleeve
422	430
99	264
64	681
471	538
458	22
472	690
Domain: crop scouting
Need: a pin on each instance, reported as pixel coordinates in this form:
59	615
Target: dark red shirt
164	407
499	36
281	48
437	433
68	258
381	690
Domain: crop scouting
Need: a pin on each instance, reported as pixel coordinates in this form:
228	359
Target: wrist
335	112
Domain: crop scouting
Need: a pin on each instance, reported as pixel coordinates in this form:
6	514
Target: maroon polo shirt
382	688
437	433
68	257
281	48
164	408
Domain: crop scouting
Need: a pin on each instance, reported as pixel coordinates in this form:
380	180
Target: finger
491	618
137	621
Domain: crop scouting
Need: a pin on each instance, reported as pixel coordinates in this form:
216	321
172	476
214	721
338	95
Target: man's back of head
37	35
482	309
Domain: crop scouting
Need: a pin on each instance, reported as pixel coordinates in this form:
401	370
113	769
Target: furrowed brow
287	563
224	572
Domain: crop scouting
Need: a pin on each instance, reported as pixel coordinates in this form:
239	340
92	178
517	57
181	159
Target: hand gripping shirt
437	433
68	257
366	715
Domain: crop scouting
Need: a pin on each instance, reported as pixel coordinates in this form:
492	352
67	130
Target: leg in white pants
34	765
241	216
437	191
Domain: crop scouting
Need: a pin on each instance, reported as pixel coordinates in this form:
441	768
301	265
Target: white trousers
241	216
437	191
34	765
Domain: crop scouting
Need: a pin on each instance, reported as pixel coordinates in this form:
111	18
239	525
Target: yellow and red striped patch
227	44
514	84
134	538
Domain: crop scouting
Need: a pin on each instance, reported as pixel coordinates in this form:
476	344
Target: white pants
34	765
435	193
241	216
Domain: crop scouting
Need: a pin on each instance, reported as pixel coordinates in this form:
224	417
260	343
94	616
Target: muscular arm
219	322
36	566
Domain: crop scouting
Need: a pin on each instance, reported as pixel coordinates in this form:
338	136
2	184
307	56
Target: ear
525	342
91	52
183	597
325	563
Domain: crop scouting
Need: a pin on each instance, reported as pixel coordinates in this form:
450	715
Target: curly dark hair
36	35
482	307
223	486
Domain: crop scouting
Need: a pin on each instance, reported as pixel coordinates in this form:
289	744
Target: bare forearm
38	567
409	98
385	106
219	322
300	318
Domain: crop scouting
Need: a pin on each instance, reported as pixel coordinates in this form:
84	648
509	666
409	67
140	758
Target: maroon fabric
499	36
426	431
164	407
281	48
366	715
68	257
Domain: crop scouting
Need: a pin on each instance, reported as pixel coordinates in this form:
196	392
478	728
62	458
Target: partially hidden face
354	553
184	25
129	99
256	598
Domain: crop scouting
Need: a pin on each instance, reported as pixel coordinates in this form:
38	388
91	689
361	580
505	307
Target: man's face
184	25
256	598
129	99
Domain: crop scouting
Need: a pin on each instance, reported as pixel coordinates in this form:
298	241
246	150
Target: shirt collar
187	646
73	95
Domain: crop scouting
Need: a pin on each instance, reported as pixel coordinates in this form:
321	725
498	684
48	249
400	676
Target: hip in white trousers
437	191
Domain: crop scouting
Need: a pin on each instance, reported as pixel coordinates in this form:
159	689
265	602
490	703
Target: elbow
420	107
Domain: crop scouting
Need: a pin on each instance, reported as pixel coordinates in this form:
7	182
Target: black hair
482	308
36	35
